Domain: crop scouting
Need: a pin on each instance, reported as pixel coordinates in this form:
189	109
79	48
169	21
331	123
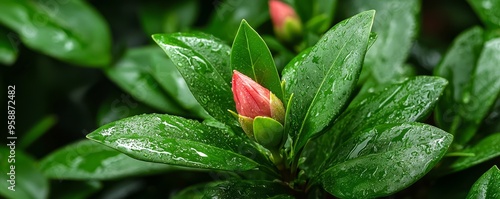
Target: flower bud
253	100
287	25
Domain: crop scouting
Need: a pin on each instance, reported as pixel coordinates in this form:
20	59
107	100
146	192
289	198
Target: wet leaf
396	25
409	101
133	74
28	180
486	149
251	57
477	98
88	160
68	30
487	10
235	189
179	141
203	61
323	77
487	185
457	67
384	159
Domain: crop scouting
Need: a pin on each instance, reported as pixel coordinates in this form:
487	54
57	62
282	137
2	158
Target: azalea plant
265	99
297	135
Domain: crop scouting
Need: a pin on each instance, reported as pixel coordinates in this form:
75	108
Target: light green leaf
68	30
383	160
487	10
88	160
8	46
323	77
251	57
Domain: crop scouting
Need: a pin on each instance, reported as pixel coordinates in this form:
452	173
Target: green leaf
251	57
245	189
75	189
409	101
384	160
68	30
487	185
486	149
88	160
8	46
396	25
133	74
40	128
203	61
229	13
168	17
323	77
179	141
28	180
457	67
488	11
478	96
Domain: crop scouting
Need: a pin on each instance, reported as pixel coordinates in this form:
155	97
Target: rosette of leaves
376	147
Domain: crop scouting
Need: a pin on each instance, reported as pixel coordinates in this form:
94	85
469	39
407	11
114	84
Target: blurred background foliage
78	65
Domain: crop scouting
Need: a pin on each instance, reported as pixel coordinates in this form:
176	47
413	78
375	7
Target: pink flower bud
287	24
254	100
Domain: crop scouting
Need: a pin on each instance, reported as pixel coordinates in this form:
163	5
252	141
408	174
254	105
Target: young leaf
396	25
133	74
323	77
28	181
457	67
88	160
384	159
251	57
486	149
487	185
68	30
488	11
179	141
204	63
409	101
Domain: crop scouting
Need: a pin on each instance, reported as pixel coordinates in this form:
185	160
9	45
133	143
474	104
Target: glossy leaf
409	101
487	185
88	160
486	149
480	94
203	61
229	13
68	30
8	46
384	159
179	141
245	189
396	25
133	74
457	67
323	77
487	10
29	181
251	57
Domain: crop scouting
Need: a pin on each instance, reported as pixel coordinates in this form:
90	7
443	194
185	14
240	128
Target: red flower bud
287	24
254	100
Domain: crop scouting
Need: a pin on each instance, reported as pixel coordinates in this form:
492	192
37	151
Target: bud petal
250	97
268	132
